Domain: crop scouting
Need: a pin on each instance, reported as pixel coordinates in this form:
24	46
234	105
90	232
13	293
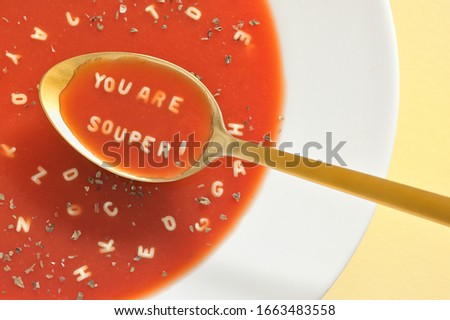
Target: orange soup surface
71	230
168	116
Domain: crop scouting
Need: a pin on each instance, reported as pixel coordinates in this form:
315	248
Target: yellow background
403	257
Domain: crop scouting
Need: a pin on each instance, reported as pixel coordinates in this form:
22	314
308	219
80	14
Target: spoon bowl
56	80
221	143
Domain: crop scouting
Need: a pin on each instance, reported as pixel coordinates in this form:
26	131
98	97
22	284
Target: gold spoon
392	194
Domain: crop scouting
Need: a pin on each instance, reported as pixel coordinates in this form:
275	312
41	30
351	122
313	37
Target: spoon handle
415	201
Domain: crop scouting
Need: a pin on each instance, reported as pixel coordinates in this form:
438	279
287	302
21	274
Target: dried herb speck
30	269
49	227
254	22
204	201
18	282
76	234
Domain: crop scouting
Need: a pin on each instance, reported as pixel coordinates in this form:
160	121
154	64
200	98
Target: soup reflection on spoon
139	119
149	120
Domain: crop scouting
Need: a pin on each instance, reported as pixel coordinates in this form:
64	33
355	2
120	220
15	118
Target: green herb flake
75	235
254	22
199	77
18	282
36	285
30	269
49	227
204	201
92	284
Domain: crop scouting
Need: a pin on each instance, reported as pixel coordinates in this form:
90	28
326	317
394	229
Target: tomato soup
70	230
150	94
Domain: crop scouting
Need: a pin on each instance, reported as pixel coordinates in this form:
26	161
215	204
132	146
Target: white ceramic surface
341	69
